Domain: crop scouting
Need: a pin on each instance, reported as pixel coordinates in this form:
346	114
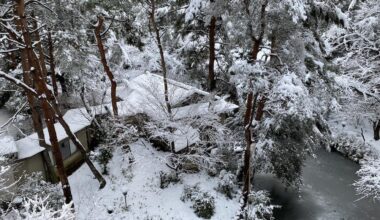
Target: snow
195	110
368	184
343	17
184	137
7	145
28	147
151	86
145	198
144	94
353	128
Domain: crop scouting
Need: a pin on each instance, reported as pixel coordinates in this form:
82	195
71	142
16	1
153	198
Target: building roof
144	94
75	118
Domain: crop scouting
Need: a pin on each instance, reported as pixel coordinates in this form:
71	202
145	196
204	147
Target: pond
327	192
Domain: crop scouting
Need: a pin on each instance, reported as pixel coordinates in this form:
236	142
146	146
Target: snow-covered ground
357	142
145	198
361	130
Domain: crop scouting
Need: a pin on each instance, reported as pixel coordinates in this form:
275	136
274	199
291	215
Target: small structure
33	157
143	95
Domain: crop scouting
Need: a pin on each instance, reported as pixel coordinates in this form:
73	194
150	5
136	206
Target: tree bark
52	64
37	77
41	54
74	139
49	119
376	130
247	153
36	117
260	108
258	41
61	80
98	36
59	116
163	63
211	64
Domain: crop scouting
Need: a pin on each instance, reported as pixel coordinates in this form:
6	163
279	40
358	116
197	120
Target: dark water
327	193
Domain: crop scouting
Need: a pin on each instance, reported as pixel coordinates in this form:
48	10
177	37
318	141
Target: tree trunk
211	71
258	41
77	143
49	119
98	36
376	130
36	117
37	76
61	80
41	57
273	47
163	63
59	116
247	153
260	108
52	64
256	48
46	97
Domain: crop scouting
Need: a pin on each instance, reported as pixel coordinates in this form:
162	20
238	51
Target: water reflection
327	193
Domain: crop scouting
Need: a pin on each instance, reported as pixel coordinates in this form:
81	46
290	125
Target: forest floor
137	172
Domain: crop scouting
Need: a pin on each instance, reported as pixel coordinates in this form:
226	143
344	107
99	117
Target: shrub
259	207
103	157
202	202
226	185
167	178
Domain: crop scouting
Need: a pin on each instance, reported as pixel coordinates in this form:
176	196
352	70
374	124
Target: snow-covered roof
185	137
7	145
144	94
29	146
152	86
193	110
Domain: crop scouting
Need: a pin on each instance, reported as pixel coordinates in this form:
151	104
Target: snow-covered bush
160	133
227	184
368	184
103	156
34	185
40	209
259	207
351	147
202	202
122	131
167	178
